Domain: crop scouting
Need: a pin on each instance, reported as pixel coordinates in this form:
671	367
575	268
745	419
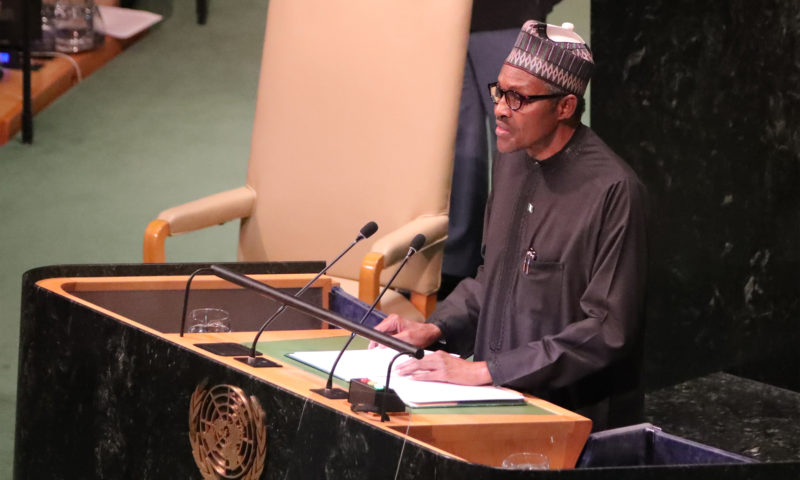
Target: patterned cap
561	58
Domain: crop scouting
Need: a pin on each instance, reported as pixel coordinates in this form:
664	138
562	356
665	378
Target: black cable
186	295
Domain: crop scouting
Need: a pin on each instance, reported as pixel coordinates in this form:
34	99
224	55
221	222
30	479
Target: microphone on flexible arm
233	349
366	231
336	393
319	313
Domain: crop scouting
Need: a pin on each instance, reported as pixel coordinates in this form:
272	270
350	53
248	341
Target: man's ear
566	107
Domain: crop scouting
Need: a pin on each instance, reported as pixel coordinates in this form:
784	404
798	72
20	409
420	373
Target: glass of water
207	320
526	461
73	25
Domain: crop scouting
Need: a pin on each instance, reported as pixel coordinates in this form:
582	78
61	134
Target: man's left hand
443	367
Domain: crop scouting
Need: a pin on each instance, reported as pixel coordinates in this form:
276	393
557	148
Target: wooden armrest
202	213
392	248
155	234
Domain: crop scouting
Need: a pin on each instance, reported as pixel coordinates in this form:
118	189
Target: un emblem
227	433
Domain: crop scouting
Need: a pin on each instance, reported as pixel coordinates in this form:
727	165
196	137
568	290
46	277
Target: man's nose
501	108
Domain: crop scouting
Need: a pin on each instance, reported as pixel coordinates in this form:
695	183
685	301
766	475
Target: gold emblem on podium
227	433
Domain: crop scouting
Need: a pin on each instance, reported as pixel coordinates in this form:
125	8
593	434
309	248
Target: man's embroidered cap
554	54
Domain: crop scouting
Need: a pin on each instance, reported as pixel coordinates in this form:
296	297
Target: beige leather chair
355	121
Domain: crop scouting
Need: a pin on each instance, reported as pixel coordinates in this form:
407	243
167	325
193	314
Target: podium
109	389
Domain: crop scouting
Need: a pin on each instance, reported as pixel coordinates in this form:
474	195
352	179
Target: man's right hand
416	333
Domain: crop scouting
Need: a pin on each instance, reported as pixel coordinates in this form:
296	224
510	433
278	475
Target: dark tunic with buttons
568	327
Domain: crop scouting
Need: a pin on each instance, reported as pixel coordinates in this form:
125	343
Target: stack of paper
373	364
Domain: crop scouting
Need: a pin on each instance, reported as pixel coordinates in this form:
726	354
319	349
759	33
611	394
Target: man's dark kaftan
569	328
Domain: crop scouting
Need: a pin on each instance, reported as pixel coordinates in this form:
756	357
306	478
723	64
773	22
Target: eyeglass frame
523	99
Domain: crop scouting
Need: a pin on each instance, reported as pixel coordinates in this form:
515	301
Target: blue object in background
646	444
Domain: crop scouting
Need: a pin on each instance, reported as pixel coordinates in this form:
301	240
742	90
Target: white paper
124	22
372	364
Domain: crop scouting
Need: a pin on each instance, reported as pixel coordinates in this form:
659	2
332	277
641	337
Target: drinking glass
47	42
73	24
206	320
526	461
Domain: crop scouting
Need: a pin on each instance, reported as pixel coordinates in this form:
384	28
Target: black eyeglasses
515	100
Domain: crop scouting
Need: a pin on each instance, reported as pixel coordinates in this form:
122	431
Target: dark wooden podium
108	389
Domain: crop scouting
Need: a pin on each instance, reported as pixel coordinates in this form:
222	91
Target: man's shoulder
595	158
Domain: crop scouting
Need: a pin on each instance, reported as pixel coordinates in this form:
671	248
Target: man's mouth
501	129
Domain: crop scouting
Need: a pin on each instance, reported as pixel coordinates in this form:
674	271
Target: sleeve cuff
441	325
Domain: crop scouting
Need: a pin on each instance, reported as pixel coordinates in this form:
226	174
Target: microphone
336	393
366	231
233	349
317	312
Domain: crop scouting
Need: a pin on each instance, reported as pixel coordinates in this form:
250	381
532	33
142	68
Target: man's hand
443	367
415	333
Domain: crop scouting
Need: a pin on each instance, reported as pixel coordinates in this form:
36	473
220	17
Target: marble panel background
702	98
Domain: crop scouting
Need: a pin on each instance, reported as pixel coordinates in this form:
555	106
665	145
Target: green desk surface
281	349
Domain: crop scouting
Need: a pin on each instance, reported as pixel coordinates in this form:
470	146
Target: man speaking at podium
555	310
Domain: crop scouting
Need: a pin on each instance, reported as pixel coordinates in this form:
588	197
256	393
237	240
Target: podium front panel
108	389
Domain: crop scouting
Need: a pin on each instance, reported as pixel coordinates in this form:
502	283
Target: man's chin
506	148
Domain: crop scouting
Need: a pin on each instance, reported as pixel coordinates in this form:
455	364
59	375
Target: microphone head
367	230
417	242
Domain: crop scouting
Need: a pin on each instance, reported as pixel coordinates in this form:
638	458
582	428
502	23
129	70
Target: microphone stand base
364	397
225	349
332	393
378	410
257	362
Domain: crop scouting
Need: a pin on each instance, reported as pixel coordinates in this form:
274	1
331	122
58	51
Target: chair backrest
356	120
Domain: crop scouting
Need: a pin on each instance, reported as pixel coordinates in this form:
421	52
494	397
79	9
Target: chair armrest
209	211
205	212
393	247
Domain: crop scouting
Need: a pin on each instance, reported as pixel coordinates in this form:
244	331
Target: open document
373	364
